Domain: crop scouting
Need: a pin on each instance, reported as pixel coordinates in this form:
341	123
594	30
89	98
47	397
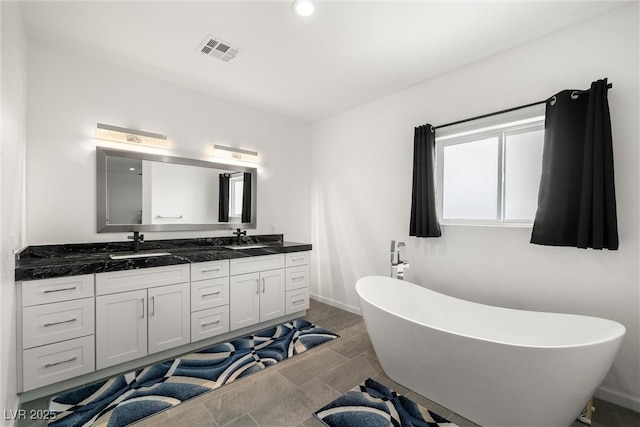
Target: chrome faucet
399	259
137	239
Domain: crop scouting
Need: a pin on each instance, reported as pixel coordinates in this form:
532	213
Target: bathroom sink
235	247
138	255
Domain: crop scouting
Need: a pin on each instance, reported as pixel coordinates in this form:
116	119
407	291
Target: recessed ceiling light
302	7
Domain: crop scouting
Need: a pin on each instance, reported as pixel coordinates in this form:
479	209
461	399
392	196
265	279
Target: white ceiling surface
346	54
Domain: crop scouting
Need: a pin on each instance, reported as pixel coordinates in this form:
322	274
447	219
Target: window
236	184
490	175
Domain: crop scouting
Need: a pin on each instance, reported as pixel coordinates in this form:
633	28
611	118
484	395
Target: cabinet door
121	328
272	285
244	300
169	317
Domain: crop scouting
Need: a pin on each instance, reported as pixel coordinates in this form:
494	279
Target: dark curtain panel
424	220
223	200
246	198
576	200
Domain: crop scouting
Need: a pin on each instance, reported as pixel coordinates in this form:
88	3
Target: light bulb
302	7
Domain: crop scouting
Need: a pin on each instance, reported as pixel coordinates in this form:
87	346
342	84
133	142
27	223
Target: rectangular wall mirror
147	192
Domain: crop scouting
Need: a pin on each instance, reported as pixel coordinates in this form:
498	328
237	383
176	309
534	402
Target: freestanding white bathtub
494	366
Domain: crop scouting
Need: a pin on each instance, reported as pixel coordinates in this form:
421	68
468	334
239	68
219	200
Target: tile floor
288	393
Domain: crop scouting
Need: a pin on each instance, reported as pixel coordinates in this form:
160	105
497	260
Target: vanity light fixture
224	152
130	136
302	7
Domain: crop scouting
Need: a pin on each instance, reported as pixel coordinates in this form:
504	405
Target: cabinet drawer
130	280
209	323
49	323
44	291
209	270
255	264
209	293
297	277
297	258
57	362
297	300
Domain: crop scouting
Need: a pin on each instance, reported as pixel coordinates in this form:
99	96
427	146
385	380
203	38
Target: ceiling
346	54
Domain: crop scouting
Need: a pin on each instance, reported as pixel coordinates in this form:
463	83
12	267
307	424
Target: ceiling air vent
218	49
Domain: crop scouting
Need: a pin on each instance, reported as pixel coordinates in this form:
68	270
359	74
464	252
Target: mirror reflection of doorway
124	188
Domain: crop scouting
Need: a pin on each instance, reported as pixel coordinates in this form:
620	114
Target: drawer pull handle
61	322
211	270
48	291
300	258
212	293
297	278
49	365
210	323
297	301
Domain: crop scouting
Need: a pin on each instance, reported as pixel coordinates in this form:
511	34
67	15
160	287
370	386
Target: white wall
69	93
13	92
361	190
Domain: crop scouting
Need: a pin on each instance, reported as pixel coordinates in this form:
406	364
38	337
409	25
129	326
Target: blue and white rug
128	398
373	405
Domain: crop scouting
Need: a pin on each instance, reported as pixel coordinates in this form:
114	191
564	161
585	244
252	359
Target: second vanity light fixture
302	7
224	152
130	136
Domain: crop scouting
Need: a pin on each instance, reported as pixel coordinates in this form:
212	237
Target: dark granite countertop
48	261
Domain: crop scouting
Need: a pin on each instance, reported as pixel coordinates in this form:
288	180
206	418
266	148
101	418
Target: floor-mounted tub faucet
399	259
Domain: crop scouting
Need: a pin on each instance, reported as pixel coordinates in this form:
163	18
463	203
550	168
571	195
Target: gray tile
610	414
351	373
195	416
352	346
313	422
41	404
383	379
429	404
243	421
463	422
318	393
248	396
297	406
353	327
321	361
290	411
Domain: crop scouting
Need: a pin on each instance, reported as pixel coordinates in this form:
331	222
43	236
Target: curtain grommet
553	100
575	94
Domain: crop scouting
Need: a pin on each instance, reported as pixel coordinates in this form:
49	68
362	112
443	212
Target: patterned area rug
373	405
128	398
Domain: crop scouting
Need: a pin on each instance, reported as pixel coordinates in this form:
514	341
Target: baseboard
337	304
621	399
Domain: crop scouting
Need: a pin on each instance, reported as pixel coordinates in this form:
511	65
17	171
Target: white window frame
480	132
233	196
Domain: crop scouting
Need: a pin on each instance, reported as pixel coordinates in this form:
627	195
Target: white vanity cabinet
87	327
151	316
209	299
257	287
55	330
297	281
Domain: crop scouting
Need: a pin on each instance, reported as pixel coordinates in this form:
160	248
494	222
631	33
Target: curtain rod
508	110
